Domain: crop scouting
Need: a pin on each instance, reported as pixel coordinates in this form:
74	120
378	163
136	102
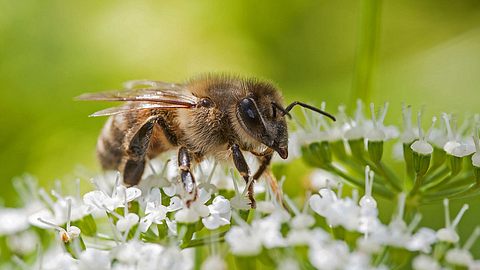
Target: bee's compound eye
206	102
247	108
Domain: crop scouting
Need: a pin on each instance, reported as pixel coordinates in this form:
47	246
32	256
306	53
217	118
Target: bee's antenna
293	104
280	108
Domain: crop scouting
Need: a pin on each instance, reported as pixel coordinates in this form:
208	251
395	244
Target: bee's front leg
136	151
242	167
264	159
186	175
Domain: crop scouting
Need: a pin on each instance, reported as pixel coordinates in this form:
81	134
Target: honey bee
215	116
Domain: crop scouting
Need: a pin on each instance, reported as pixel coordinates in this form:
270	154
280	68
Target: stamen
210	176
476	140
447	213
117	179
384	113
407	116
355	195
401	205
459	216
291	205
43	194
359	111
434	120
235	184
419	123
372	112
339	190
446	118
471	240
416	220
55	226
69	212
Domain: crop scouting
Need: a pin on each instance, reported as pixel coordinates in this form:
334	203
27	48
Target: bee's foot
253	203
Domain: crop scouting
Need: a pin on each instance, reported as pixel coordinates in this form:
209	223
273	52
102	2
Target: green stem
389	176
417	184
439	172
205	241
377	189
367	50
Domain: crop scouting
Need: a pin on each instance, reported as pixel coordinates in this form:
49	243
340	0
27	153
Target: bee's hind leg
136	151
242	167
186	175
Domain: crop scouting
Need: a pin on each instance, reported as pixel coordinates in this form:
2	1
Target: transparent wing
134	107
152	94
154	84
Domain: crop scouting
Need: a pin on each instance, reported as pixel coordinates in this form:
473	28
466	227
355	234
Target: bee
219	116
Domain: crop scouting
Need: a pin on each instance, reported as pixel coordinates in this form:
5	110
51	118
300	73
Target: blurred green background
427	53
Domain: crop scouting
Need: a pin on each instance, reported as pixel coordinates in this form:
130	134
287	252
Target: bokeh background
420	52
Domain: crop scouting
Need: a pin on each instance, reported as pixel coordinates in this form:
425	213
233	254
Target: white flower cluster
151	226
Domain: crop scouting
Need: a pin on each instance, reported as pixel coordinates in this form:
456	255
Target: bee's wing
159	95
133	107
154	84
153	95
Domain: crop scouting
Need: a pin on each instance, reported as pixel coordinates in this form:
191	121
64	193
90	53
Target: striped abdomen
127	140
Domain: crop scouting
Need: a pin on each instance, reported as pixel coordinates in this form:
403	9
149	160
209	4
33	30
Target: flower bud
408	158
422	153
375	150
455	164
338	149
357	146
421	163
438	157
317	154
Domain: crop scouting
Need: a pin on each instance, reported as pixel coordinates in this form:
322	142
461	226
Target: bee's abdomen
110	150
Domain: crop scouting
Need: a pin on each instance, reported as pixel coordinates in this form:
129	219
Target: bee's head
261	116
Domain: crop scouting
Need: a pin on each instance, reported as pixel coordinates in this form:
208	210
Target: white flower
127	222
448	233
421	145
155	212
69	234
57	212
323	179
220	213
408	134
476	156
94	259
422	240
424	262
13	221
459	256
23	243
56	259
66	234
266	207
321	203
302	221
175	204
214	262
329	256
120	196
243	242
197	209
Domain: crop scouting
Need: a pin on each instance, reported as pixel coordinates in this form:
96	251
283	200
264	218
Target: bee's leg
186	175
136	151
264	162
242	167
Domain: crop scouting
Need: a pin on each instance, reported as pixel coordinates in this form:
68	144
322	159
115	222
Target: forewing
153	95
134	107
143	95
